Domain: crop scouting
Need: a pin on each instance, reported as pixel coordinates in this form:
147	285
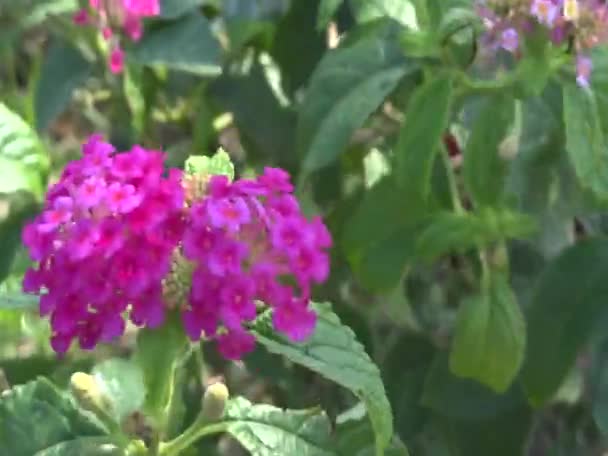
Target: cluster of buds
119	237
582	24
109	16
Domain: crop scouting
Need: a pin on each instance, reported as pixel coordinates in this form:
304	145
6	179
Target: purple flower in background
545	11
510	40
584	66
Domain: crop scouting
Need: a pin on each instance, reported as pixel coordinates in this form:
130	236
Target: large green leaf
159	353
569	298
334	352
425	122
36	416
86	446
185	45
484	168
490	339
171	9
122	382
585	141
265	430
346	87
449	232
380	236
356	438
63	70
326	11
474	420
402	11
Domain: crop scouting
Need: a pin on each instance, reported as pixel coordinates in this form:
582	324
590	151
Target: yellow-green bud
87	392
214	401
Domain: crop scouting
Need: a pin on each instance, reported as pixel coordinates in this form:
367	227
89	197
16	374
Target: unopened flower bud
88	394
214	401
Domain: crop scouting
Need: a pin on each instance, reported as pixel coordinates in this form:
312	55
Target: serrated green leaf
171	9
265	430
86	446
63	70
448	231
218	164
36	416
345	88
334	352
484	169
569	298
122	382
490	337
184	45
425	122
585	140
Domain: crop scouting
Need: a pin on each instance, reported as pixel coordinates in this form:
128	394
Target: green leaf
265	430
134	94
448	231
472	419
402	11
356	438
266	127
585	141
425	122
569	298
23	161
63	70
122	382
484	169
298	45
172	9
18	301
327	10
490	338
334	353
218	164
184	45
346	87
36	416
158	354
86	446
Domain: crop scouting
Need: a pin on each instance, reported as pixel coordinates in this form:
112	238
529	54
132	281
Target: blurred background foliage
261	78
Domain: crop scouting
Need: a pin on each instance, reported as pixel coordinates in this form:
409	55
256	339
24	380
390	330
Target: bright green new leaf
569	298
122	382
185	45
426	119
334	352
490	338
36	416
585	141
484	169
218	164
346	87
64	69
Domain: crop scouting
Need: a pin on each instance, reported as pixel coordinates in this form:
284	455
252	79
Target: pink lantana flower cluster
582	23
103	243
250	242
109	15
117	235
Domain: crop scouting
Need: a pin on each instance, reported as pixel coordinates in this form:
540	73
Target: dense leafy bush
376	227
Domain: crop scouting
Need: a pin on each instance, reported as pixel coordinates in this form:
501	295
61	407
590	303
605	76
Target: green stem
449	169
200	428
